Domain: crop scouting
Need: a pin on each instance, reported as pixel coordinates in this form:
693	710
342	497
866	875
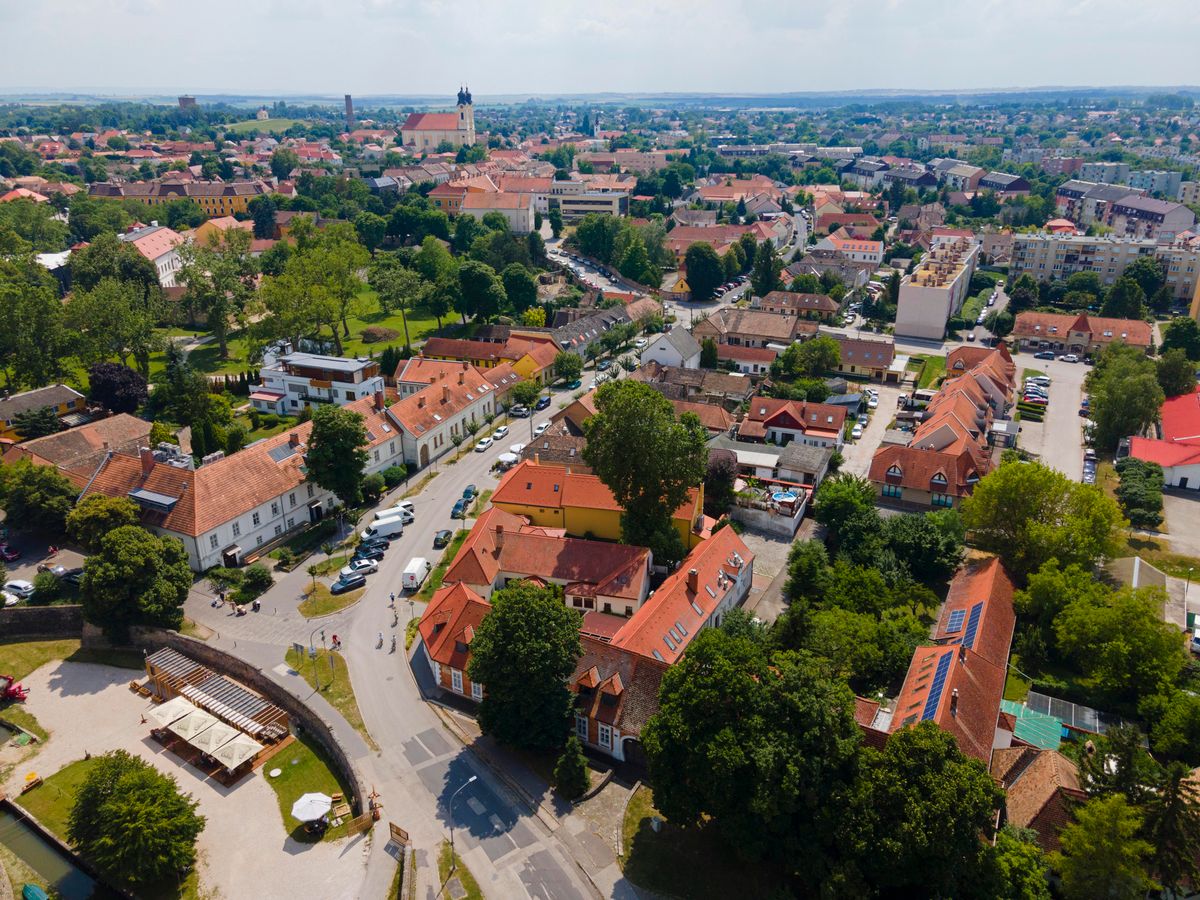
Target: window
377	455
456	680
944	500
605	738
213	540
256	519
476	691
292	498
893	490
310	490
278	529
237	528
258	541
291	522
581	728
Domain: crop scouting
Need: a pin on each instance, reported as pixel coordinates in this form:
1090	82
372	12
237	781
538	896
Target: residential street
420	764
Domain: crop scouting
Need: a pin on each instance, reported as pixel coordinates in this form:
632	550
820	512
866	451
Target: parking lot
1057	441
857	454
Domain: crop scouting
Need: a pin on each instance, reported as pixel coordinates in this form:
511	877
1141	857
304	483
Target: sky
544	47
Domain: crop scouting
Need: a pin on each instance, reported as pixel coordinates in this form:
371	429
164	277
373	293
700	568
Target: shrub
255	418
373	485
375	334
571	771
46	588
222	579
393	475
286	557
256	580
268	420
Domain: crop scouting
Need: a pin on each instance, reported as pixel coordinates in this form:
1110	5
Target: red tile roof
1040	789
616	687
430	122
449	623
794	415
1057	327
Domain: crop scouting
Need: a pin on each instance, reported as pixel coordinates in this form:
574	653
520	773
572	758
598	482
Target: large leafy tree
809	359
930	544
1029	514
135	578
115	318
33	339
117	388
921	805
649	460
109	257
399	287
762	744
98	514
1102	854
35	497
1124	300
1182	333
705	272
132	822
839	500
219	277
1017	869
523	652
481	293
337	452
1023	294
767	268
1172	827
1125	394
1176	373
1148	272
519	287
36	423
567	365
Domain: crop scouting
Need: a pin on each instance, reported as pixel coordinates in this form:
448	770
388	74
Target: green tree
808	572
1017	867
525	393
283	161
481	294
34	342
398	287
1177	732
523	652
567	366
132	822
1122	642
1172	828
337	454
1050	589
719	478
1182	333
36	423
135	578
108	257
98	514
1023	294
1125	394
838	500
931	544
1124	300
519	287
761	744
708	354
262	212
767	268
37	223
1149	274
114	319
705	273
1176	373
1029	513
219	276
36	498
1102	854
1000	323
922	805
648	459
571	771
636	265
556	221
809	359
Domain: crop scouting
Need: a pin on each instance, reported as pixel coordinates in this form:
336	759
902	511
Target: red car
8	553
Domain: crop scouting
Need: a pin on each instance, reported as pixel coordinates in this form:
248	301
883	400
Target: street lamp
1186	585
450	814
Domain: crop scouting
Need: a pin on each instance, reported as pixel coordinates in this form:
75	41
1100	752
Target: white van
403	515
387	528
415	573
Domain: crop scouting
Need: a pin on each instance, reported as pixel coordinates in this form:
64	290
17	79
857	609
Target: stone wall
302	716
41	621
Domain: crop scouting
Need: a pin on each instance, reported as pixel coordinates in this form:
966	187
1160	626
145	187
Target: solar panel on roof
956	621
973	625
935	690
282	452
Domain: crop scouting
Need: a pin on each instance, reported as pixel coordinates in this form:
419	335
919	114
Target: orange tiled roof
449	623
528	484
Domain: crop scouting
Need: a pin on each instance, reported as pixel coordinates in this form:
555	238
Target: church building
424	132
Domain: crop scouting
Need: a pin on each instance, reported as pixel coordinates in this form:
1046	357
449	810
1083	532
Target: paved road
419	765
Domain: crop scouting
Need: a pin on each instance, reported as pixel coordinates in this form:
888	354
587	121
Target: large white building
160	245
291	381
936	289
425	132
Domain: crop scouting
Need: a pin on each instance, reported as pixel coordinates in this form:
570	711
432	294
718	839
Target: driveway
1058	441
857	454
1182	512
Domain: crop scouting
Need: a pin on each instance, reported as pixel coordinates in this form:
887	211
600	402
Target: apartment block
575	206
936	288
1105	172
1155	181
1189	193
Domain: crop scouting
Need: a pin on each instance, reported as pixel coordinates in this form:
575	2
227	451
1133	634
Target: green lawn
688	862
304	770
450	860
18	658
434	581
933	368
336	689
263	125
319	601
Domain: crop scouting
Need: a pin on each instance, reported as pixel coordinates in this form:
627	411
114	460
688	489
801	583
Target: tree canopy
135	578
337	455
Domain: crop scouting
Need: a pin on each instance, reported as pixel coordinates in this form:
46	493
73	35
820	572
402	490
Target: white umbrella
311	807
507	459
166	713
516	448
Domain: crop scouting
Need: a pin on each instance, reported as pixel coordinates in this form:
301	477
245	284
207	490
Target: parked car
862	420
9	599
351	583
1035	400
970	335
368	552
359	566
8	553
992	300
73	576
1038	379
872	401
541	429
857	432
542	403
1069	357
442	538
470	492
604	365
640	343
1044	354
482	444
382	542
520	412
499	433
20	587
460	509
574	385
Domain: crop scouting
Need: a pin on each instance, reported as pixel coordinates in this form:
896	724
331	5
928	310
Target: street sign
398	834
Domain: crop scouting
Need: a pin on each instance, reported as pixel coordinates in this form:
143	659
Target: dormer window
938	480
895	472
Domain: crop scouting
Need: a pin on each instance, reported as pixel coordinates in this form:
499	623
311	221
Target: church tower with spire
466	116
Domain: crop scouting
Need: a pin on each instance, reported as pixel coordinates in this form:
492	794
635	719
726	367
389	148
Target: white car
483	444
499	432
857	432
20	587
541	429
872	402
359	567
9	599
640	343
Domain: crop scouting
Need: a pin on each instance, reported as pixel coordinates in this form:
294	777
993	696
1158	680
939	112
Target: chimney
445	393
294	438
962	654
537	458
460	377
420	401
379	404
147	458
499	536
954	702
694	580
